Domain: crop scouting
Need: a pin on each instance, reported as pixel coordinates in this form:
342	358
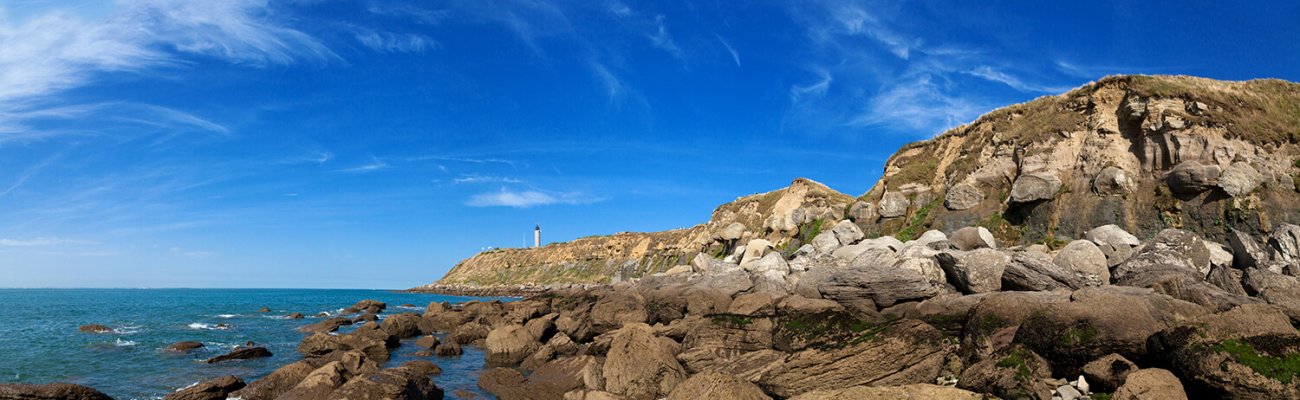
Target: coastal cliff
1142	152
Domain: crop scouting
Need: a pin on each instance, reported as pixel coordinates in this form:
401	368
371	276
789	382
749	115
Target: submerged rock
52	391
241	354
213	389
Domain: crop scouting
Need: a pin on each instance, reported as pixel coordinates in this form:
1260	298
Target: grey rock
770	274
927	267
1240	179
976	271
733	231
971	238
1107	373
1172	251
825	243
847	232
1284	243
729	282
705	264
1246	252
1219	254
883	285
1114	242
850	252
962	196
875	257
1191	177
1112	180
862	211
755	250
1274	288
1034	187
1227	279
1035	271
894	204
1086	261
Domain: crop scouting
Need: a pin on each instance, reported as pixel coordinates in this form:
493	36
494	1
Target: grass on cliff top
916	225
1283	369
1259	111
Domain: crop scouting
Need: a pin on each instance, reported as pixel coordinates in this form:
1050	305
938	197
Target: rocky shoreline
941	316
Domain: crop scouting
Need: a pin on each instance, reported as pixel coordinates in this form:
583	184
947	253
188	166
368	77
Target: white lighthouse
537	236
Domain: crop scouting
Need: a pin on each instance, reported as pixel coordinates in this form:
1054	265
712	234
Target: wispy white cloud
815	89
991	74
375	165
385	42
734	55
485	179
55	51
855	20
660	37
528	198
613	86
43	241
918	104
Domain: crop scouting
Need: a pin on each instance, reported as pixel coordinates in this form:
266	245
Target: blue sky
319	143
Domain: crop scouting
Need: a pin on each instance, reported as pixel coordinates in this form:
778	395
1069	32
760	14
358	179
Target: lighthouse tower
537	236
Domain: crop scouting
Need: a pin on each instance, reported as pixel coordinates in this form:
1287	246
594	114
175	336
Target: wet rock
183	347
1100	321
468	333
264	310
916	391
296	315
639	365
401	383
713	385
1190	177
366	306
1237	354
1150	383
1012	373
973	237
903	352
319	383
403	325
328	325
277	383
509	344
976	271
320	344
1107	373
1034	187
241	354
449	349
569	373
1086	261
53	391
427	342
994	319
94	328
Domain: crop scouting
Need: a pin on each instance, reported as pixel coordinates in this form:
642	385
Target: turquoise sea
39	341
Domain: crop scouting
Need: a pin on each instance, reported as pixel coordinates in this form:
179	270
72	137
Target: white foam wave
217	327
124	343
127	330
227	316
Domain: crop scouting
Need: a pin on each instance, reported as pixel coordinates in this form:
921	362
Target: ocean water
39	341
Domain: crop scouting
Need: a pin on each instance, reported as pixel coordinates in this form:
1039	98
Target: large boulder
241	354
640	365
992	322
565	374
319	383
509	344
1240	179
915	391
713	385
403	325
1246	252
962	196
1011	373
1171	252
1086	261
894	204
407	382
1035	271
755	250
1248	352
212	389
1150	383
505	384
1274	288
1107	373
769	274
1284	243
1100	321
976	271
53	391
1113	180
320	344
278	382
900	353
617	308
847	232
880	285
1034	187
1190	177
972	237
1113	241
826	242
732	232
722	337
328	325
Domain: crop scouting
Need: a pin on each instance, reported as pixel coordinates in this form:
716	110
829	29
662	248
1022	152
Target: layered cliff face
1142	152
777	216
